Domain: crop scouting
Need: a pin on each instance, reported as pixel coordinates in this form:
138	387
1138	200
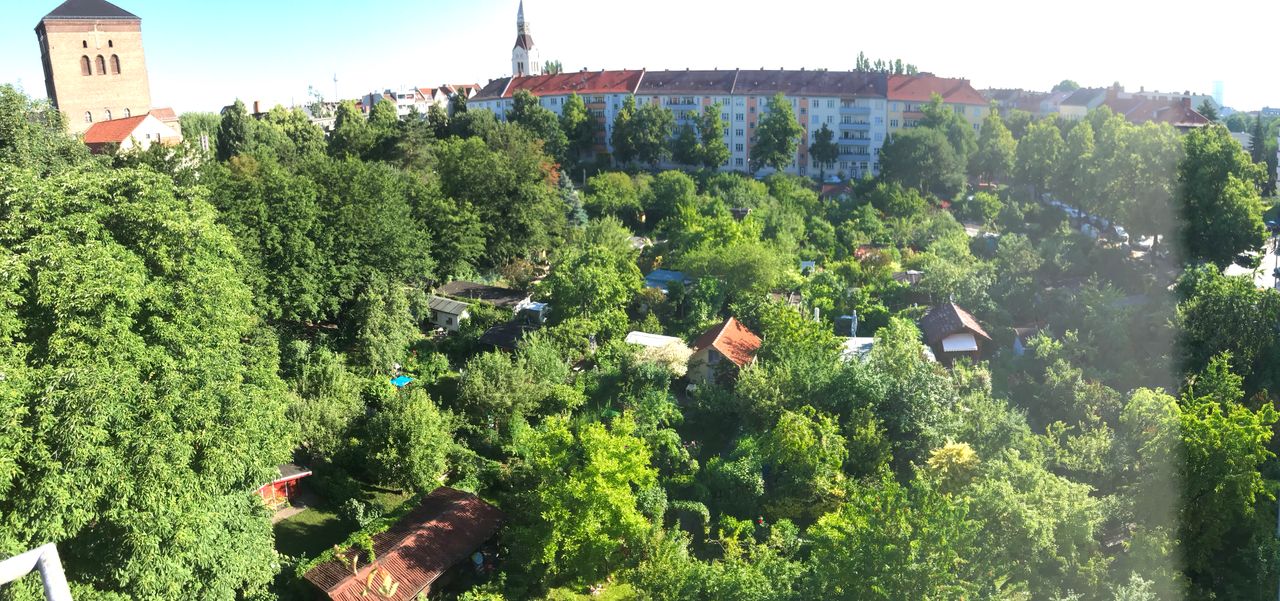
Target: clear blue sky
203	53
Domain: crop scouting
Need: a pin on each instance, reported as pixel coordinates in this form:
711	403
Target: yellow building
907	93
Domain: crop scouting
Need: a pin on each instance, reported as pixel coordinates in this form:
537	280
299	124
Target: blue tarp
401	381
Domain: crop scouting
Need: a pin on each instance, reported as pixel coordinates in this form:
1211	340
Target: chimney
256	109
1186	102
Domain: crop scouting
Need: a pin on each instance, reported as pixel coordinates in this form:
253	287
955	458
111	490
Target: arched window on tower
88	117
127	113
86	68
108	114
86	43
115	64
102	65
111	44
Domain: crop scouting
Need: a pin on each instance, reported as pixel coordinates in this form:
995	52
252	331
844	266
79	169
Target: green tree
33	135
714	152
623	137
777	136
924	159
379	326
1225	446
591	281
613	194
1066	85
351	135
1221	314
579	127
528	112
939	116
383	116
1207	109
327	400
196	126
685	149
438	121
804	452
824	150
1074	174
408	442
1039	152
143	369
993	161
234	132
576	517
1218	198
651	129
891	542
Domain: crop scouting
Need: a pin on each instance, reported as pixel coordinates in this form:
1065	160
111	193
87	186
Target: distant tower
94	66
524	56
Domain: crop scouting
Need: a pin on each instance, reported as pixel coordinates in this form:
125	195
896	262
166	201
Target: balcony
856	126
850	109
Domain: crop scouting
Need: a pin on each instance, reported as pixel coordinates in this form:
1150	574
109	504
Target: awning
959	343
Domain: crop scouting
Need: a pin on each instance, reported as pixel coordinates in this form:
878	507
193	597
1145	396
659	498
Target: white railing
44	559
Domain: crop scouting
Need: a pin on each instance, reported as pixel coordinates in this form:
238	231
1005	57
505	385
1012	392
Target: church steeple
524	56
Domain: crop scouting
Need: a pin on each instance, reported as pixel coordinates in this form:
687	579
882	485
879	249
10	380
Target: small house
1022	338
494	296
722	351
446	529
281	491
447	313
951	332
130	133
662	279
792	299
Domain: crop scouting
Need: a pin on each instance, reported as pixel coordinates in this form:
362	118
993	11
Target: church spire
524	57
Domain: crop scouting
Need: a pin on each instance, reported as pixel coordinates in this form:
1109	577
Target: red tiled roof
920	88
582	82
447	527
114	131
733	340
164	114
1139	110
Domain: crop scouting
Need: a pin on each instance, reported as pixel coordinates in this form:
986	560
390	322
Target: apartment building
908	93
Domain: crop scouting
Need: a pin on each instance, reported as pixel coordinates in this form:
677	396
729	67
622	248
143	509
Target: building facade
94	65
908	93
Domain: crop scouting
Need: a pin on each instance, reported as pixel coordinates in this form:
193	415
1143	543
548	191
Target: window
739	117
86	67
752	110
976	128
739	132
893	123
737	148
111	44
831	103
108	114
88	117
102	65
879	120
815	120
737	162
127	113
115	64
448	321
86	43
879	137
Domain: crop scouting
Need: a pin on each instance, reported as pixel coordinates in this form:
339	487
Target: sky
202	54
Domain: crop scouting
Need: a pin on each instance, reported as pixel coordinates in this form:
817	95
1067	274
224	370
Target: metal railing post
46	560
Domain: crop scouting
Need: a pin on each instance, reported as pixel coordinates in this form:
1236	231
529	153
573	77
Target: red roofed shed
729	341
447	527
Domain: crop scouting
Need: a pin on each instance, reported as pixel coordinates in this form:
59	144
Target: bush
691	516
358	514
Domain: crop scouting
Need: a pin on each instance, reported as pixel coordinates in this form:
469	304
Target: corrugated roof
947	319
491	295
443	530
89	9
733	340
921	88
115	131
446	305
506	335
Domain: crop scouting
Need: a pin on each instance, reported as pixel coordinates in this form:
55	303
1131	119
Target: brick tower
94	66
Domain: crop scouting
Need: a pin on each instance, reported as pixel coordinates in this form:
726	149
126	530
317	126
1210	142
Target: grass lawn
318	529
616	592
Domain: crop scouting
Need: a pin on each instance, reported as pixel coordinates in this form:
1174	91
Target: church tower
94	67
524	56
